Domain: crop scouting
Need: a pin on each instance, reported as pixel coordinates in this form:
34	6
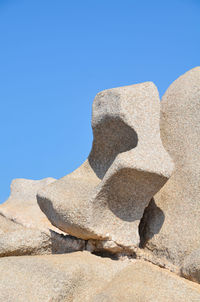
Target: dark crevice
106	254
151	223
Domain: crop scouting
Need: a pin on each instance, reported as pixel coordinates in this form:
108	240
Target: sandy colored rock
73	277
17	240
171	224
25	230
191	266
145	282
24	242
22	206
35	242
105	198
6	225
29	232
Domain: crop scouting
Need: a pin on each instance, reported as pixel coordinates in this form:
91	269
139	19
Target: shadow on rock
62	244
151	222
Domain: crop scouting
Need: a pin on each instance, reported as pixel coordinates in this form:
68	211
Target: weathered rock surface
55	278
191	266
7	226
103	202
80	276
22	206
25	230
144	282
105	198
171	224
17	240
24	242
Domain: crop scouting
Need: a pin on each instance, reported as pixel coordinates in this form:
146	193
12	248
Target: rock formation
84	277
25	230
21	207
105	198
118	205
171	224
17	240
53	278
144	282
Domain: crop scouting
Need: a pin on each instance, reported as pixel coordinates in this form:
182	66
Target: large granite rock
103	202
24	242
105	198
144	282
22	206
17	240
171	224
73	277
80	276
25	230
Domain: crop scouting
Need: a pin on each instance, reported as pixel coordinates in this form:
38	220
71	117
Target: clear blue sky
56	55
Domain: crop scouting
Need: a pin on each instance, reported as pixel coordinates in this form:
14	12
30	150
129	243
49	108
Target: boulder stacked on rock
25	230
105	198
21	206
119	204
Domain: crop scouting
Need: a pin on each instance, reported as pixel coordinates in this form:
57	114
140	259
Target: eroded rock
22	206
105	198
144	282
171	224
17	240
25	230
74	277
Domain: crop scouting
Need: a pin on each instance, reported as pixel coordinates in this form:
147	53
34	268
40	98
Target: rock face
73	278
105	198
144	282
7	226
191	266
171	224
84	277
22	206
17	240
117	202
25	230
